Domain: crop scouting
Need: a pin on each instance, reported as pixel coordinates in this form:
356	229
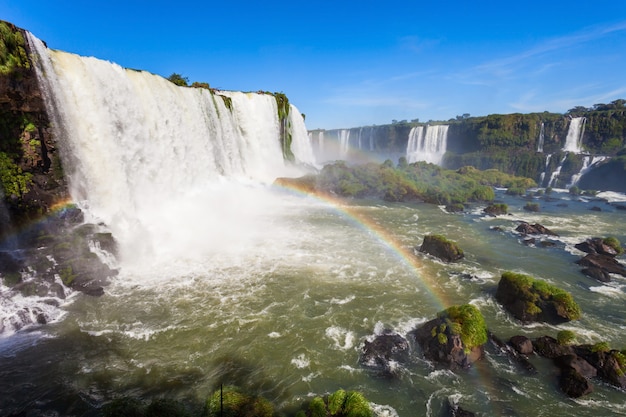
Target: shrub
534	207
565	337
341	404
614	243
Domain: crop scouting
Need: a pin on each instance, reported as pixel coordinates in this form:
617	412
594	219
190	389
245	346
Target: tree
178	80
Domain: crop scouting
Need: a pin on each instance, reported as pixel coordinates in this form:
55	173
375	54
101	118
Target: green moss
614	243
468	322
442	338
600	347
341	404
67	275
228	102
230	402
12	278
534	292
357	406
565	337
13	180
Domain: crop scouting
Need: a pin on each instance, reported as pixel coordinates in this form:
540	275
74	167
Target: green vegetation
230	402
614	243
341	404
533	207
497	209
12	50
14	182
282	102
178	80
565	337
467	322
537	295
419	181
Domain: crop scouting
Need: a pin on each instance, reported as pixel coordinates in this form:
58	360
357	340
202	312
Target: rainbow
389	240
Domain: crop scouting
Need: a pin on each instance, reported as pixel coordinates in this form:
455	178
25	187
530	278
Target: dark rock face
27	141
549	347
447	349
573	384
455	410
534	229
441	248
384	351
513	354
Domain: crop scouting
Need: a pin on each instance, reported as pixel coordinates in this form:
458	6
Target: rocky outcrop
534	229
442	248
383	352
600	259
455	338
530	300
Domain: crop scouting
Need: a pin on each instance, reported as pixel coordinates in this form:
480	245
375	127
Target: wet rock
455	410
573	384
596	245
534	229
442	248
597	274
576	363
549	347
514	355
522	344
603	262
446	349
607	363
384	352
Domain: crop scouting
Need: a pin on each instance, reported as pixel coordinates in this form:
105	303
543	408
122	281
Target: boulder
382	352
596	273
549	347
534	229
596	245
513	354
606	263
576	363
573	384
522	344
455	338
607	363
531	300
442	248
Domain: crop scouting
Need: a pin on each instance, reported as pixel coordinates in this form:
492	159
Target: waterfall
575	133
555	175
344	143
588	164
545	170
150	159
427	144
541	139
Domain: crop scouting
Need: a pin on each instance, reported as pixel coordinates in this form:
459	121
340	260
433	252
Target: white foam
301	361
343	339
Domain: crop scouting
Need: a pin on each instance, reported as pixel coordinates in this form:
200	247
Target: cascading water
554	177
545	170
344	143
541	139
588	163
427	144
143	154
575	133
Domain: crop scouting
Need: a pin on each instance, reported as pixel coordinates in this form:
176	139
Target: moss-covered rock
530	300
455	338
231	402
442	248
341	403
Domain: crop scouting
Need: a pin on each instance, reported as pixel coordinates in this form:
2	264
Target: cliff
31	175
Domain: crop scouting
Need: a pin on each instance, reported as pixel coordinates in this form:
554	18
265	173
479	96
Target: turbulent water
225	278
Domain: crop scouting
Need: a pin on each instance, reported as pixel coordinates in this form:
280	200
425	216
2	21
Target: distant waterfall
575	133
427	144
344	143
555	174
541	139
142	154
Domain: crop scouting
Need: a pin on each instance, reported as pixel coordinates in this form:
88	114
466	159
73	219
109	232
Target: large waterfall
146	157
427	144
575	133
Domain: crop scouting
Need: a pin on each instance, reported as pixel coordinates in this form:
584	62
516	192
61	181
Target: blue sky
348	63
